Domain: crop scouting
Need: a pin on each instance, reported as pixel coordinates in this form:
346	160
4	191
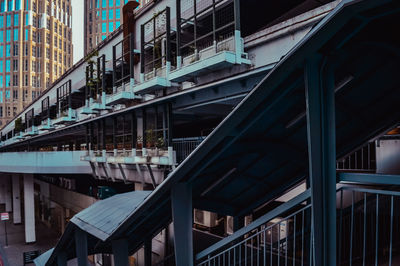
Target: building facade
35	49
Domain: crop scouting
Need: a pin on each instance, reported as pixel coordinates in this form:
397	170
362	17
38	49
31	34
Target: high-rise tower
35	49
102	17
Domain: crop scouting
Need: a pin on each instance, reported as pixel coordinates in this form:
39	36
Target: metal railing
280	237
185	146
368	231
363	159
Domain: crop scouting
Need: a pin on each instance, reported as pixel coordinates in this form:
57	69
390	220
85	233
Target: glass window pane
111	14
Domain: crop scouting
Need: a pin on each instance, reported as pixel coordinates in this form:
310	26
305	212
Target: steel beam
322	158
379	179
182	215
121	252
62	259
81	247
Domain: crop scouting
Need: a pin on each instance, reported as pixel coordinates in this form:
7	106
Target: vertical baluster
265	247
279	243
391	230
340	226
271	245
302	237
365	227
377	230
294	241
351	228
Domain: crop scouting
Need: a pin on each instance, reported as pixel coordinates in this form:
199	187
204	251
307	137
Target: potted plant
139	142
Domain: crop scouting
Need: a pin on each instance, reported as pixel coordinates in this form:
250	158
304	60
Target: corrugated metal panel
103	217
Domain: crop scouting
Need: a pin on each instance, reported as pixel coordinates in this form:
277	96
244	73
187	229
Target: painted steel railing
363	159
185	146
368	227
280	237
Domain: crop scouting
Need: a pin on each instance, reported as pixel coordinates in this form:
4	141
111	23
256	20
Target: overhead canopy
100	221
260	149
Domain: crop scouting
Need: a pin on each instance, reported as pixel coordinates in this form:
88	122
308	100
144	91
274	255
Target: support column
120	252
8	196
148	252
81	247
182	215
29	209
320	98
16	199
62	259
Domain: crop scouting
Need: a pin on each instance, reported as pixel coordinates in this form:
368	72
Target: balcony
122	94
66	118
153	156
33	131
154	80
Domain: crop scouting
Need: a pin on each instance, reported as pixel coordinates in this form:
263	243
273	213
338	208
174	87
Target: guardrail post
322	158
182	215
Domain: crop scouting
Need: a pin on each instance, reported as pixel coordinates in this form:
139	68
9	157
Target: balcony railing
280	237
185	146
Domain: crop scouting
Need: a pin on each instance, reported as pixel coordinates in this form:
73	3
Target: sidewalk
45	239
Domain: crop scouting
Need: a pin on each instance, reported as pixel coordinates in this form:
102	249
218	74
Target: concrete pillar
16	198
182	215
81	247
2	190
120	252
8	197
29	209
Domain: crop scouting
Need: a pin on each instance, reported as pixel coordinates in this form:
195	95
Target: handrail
257	223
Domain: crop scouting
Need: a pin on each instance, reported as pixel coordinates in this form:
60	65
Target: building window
15	94
26	34
15	49
110	27
26	80
17	4
117	24
15	20
111	14
15	35
117	2
55	41
104	3
48	53
8	20
118	14
8	35
104	15
8	50
103	27
110	3
1	21
26	65
15	65
8	65
1	36
8	80
15	81
1	66
103	37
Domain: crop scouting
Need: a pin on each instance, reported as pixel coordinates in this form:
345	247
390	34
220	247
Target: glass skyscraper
102	17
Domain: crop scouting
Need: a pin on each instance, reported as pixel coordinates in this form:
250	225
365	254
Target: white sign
4	216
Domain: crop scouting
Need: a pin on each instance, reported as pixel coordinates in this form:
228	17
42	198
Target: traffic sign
4	216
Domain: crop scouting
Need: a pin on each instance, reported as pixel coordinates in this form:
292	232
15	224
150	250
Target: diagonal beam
378	179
